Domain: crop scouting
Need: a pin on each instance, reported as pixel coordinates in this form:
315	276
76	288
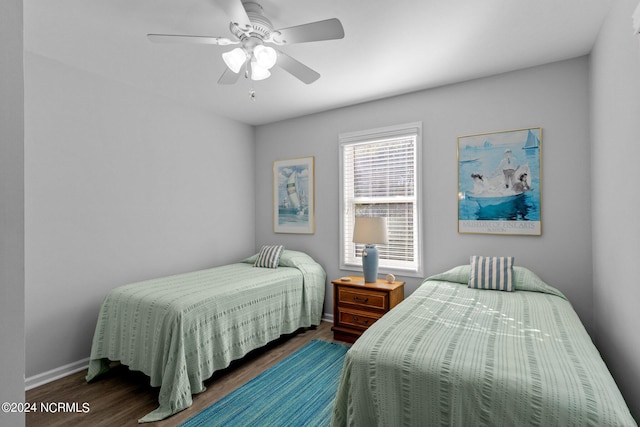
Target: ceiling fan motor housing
261	26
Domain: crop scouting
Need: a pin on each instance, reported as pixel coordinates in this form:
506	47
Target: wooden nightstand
357	305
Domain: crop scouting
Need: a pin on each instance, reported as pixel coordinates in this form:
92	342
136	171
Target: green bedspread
450	355
178	330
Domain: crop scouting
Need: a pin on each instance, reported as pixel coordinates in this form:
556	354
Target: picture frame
293	196
499	182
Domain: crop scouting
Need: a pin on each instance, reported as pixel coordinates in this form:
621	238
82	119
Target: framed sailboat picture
499	182
293	196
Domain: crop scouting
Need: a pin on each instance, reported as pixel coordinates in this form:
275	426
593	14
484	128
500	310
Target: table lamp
370	231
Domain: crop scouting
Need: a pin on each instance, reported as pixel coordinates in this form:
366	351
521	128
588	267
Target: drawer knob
356	299
362	322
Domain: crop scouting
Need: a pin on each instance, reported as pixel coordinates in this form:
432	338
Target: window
380	176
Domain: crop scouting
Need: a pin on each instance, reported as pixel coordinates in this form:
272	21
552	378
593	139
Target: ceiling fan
255	34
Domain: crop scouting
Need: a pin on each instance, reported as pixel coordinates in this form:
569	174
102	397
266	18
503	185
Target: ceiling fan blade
235	11
329	29
228	77
297	68
176	38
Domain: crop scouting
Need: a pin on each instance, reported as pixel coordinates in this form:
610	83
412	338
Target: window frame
371	136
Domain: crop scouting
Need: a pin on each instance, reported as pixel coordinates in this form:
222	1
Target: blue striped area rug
298	391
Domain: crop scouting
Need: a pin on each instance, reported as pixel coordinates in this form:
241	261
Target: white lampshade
258	72
370	230
265	56
235	59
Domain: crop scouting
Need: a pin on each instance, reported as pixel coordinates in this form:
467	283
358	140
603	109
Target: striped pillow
491	273
269	256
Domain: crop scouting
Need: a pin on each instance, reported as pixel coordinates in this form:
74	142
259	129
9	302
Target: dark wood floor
121	397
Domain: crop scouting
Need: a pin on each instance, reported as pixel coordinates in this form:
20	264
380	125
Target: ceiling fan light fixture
235	59
258	72
265	56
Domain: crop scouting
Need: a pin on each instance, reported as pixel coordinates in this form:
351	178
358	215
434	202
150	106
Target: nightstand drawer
356	319
363	298
358	304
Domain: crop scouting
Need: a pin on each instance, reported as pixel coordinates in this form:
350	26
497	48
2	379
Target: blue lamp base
370	263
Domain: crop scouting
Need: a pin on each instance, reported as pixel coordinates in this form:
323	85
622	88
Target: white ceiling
389	47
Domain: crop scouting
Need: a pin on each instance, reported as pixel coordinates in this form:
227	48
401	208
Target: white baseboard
327	317
55	374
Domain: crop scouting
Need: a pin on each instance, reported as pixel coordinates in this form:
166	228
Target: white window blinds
379	178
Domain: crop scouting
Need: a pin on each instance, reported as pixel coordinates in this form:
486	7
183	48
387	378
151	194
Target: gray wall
615	112
120	186
11	210
554	97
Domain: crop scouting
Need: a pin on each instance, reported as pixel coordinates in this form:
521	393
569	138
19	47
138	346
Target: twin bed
447	355
179	330
455	356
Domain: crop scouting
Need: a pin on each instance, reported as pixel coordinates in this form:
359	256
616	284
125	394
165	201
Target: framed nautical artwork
293	196
499	182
